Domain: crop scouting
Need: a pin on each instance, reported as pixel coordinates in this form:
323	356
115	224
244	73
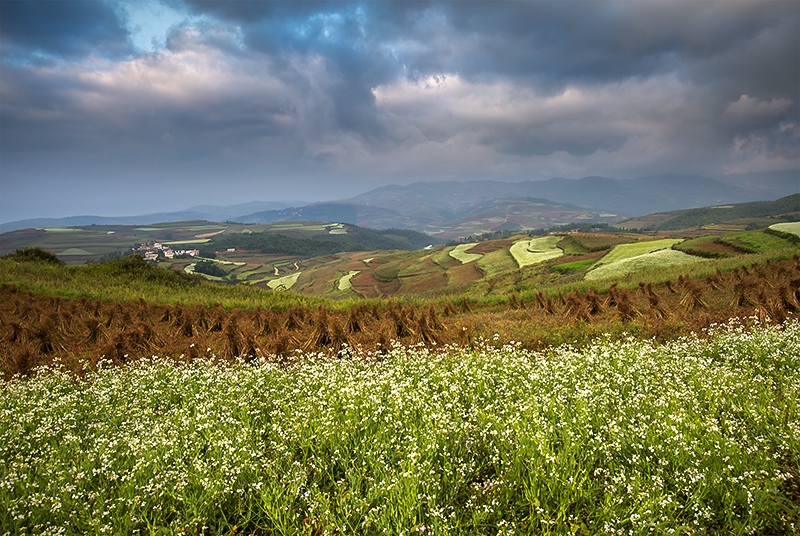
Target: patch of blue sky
149	23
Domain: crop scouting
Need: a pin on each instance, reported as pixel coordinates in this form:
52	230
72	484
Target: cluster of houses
155	250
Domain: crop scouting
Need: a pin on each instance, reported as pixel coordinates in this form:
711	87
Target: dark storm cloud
327	97
61	29
729	48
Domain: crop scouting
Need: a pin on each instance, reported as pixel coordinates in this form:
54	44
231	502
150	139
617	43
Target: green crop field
536	250
345	281
575	266
756	242
696	436
661	258
791	227
497	262
74	251
460	254
61	230
192	241
577	244
626	251
284	283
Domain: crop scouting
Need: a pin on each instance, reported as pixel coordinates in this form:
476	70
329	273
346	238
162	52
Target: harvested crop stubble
38	330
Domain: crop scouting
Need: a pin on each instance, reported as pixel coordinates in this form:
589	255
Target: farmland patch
460	254
574	266
496	262
791	227
707	246
465	273
443	258
194	241
627	251
648	261
209	235
284	283
387	272
756	242
536	250
345	283
75	251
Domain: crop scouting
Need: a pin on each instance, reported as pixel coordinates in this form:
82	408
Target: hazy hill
787	207
635	197
767	185
375	217
200	212
440	207
446	216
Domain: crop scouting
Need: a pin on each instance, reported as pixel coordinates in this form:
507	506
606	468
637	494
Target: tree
209	268
34	254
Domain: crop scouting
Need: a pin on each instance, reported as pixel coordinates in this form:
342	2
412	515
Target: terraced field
658	259
536	250
479	268
627	251
792	227
460	254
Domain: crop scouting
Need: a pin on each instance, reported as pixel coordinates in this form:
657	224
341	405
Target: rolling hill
729	217
441	218
441	207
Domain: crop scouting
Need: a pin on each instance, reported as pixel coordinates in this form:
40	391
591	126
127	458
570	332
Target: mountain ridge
426	205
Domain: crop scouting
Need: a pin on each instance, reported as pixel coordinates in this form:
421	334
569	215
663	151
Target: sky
126	107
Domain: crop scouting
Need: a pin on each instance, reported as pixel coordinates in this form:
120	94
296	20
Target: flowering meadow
700	435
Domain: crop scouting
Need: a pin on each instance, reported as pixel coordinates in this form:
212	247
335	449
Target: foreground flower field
697	436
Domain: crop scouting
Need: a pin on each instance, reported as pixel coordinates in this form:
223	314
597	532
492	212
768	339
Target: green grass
627	251
536	250
442	257
650	261
692	437
497	262
387	272
460	254
756	242
115	282
575	266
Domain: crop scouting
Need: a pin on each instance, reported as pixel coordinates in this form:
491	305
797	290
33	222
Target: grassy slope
113	281
702	216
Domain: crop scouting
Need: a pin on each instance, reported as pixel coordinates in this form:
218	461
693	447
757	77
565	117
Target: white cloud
748	108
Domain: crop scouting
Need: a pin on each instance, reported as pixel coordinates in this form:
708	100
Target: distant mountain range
449	209
200	212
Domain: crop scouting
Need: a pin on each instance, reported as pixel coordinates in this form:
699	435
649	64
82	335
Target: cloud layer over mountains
124	107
